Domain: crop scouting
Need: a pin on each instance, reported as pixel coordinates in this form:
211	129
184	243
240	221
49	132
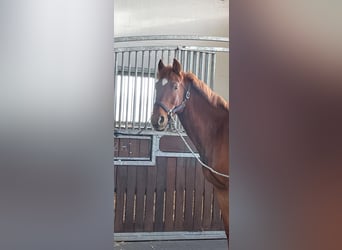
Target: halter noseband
176	109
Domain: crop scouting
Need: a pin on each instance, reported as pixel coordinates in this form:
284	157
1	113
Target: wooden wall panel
180	190
171	196
189	194
130	199
150	198
140	198
160	192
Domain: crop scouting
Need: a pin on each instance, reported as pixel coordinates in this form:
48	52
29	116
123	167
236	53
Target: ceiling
155	17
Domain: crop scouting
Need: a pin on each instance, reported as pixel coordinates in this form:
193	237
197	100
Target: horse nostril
161	120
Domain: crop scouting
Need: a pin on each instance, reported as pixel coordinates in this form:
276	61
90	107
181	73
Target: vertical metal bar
169	56
182	60
188	68
162	57
124	92
180	56
154	80
155	76
185	63
200	64
141	87
115	85
196	63
121	84
144	99
156	61
177	54
135	88
213	66
188	56
206	68
148	97
159	57
191	62
128	89
210	56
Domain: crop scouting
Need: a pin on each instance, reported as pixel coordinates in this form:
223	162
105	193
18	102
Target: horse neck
200	121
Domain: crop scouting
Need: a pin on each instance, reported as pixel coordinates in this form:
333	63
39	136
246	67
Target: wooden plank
115	168
189	193
123	147
170	189
175	144
130	197
171	144
150	192
114	177
116	147
145	148
121	179
207	207
134	147
180	188
141	189
140	198
217	223
198	206
160	192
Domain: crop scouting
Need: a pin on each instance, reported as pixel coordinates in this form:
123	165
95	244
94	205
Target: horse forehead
169	77
168	74
163	80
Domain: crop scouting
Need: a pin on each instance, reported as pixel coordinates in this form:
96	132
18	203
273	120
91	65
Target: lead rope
197	158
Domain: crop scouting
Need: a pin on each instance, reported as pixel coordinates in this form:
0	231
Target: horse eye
175	87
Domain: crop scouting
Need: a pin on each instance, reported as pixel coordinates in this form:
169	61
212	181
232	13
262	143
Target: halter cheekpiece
176	109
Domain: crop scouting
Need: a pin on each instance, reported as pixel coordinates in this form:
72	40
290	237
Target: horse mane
213	99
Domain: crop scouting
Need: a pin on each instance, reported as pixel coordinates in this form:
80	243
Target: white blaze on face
164	81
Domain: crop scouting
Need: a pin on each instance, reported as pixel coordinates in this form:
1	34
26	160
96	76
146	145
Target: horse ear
160	65
177	68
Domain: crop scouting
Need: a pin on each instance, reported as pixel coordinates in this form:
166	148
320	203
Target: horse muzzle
159	122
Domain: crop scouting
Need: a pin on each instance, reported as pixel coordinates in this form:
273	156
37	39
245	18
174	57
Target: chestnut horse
205	118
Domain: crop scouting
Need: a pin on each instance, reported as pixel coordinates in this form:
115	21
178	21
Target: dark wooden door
171	195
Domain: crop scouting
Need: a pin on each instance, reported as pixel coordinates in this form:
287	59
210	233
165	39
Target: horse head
171	94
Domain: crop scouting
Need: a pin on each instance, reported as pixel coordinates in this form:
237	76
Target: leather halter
175	109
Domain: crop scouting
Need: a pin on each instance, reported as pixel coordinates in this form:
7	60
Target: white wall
177	17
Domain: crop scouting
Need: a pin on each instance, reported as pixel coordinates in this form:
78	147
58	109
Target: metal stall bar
135	88
195	63
206	68
213	66
169	55
200	66
155	76
163	56
121	86
181	57
115	85
147	119
141	88
128	89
